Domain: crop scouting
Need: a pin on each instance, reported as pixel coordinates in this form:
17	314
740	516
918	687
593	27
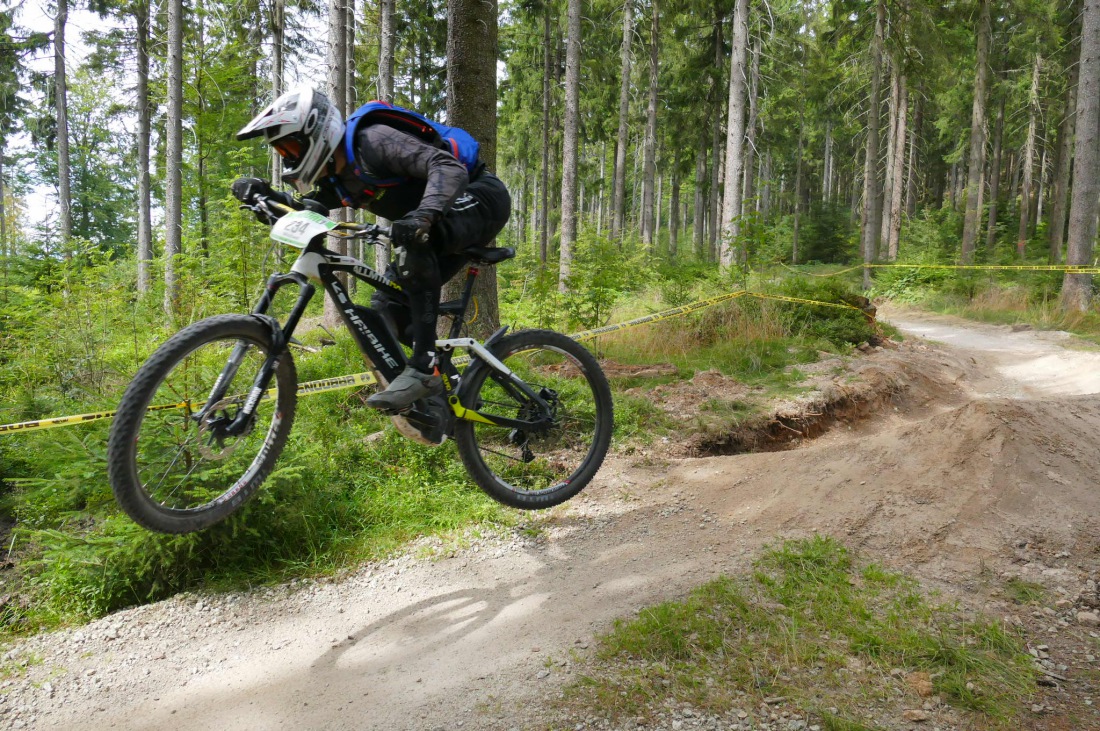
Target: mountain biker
437	206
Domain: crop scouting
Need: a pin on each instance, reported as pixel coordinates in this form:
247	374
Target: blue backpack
458	141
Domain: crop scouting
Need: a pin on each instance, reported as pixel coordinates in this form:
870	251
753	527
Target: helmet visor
290	149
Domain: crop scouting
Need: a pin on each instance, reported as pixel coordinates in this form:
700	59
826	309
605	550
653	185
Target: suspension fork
279	338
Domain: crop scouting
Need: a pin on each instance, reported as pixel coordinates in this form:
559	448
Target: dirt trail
987	447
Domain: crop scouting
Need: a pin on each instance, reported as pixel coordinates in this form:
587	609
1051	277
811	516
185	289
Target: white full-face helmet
305	129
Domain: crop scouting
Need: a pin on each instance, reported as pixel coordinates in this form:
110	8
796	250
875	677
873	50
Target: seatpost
467	293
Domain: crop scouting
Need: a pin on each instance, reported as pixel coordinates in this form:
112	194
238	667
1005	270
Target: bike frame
372	335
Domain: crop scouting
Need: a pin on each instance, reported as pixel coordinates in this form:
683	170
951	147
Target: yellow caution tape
367	379
1067	268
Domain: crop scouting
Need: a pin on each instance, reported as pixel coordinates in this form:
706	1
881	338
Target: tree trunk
472	105
911	175
1039	193
144	194
61	106
618	178
713	223
869	218
749	184
735	139
278	72
649	165
995	178
893	235
1029	157
337	90
798	187
888	177
698	223
1062	168
544	183
765	204
569	151
386	43
1077	288
674	207
173	185
827	173
199	32
972	221
354	248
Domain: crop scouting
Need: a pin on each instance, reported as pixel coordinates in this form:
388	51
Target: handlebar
272	209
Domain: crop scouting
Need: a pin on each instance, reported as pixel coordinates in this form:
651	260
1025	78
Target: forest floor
967	462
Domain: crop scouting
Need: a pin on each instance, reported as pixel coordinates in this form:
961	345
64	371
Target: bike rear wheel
539	469
170	471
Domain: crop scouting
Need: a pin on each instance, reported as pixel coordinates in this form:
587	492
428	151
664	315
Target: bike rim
184	466
536	463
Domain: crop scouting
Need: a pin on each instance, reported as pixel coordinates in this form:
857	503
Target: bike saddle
489	255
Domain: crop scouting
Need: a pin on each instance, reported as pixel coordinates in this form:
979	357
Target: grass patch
1024	592
811	626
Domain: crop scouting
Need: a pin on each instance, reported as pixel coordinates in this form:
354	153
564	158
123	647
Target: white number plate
298	229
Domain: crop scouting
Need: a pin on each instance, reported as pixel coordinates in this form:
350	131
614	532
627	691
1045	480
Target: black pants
475	219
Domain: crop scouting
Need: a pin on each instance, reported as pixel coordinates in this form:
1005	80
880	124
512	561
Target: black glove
246	190
411	231
311	205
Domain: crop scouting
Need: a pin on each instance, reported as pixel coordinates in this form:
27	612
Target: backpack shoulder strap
380	112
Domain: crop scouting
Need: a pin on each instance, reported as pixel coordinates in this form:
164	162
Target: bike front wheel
176	466
545	467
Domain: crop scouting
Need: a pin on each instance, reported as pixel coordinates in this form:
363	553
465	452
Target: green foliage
602	273
838	327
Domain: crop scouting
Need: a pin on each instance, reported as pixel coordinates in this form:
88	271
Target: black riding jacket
432	178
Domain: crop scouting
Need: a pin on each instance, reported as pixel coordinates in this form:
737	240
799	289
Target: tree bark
61	105
387	30
1062	168
144	192
173	185
386	44
618	178
698	224
472	105
649	164
1029	157
749	184
1077	288
893	234
674	207
199	33
869	218
713	223
972	220
337	90
888	177
995	179
911	175
544	182
278	72
569	151
735	139
798	187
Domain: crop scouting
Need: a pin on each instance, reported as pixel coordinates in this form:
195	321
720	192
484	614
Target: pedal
429	426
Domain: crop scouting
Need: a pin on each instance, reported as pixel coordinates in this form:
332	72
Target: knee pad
417	268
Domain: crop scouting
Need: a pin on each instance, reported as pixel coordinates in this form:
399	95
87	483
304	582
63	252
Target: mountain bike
203	422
